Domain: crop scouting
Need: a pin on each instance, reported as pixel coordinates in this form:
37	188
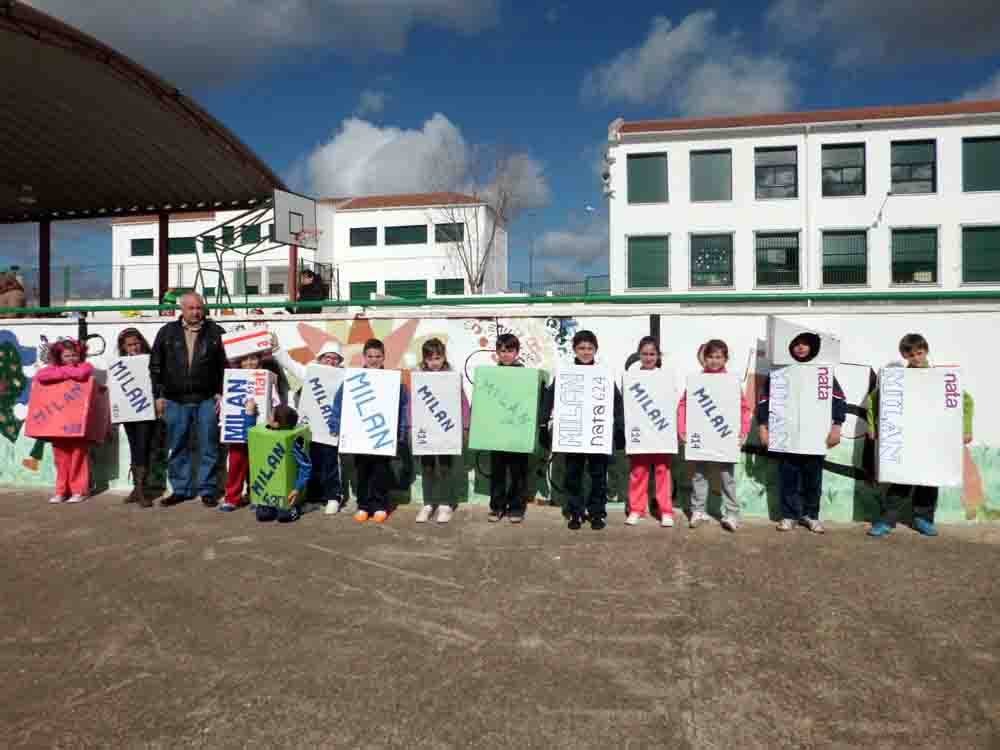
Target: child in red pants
239	453
641	464
71	454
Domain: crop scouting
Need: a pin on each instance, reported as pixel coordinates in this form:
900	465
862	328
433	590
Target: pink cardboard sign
69	409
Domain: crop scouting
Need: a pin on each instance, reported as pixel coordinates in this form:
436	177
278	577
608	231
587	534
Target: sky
355	97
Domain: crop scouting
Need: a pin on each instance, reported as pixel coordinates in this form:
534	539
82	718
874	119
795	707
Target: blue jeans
179	418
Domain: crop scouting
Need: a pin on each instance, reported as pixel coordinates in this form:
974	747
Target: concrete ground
189	628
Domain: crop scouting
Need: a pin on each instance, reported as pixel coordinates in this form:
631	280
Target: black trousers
140	441
800	481
924	502
434	471
374	482
324	484
504	497
597	466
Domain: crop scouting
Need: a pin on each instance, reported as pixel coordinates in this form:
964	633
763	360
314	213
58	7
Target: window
648	262
777	259
776	172
914	256
980	164
712	260
208	292
416	289
253	289
228	235
914	167
361	291
141	294
208	244
981	254
449	232
142	248
845	258
270	232
712	175
364	236
844	169
250	234
449	286
647	178
278	288
411	235
181	246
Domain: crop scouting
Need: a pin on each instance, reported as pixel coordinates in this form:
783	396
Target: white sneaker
633	519
786	524
333	507
813	524
698	517
425	514
77	499
57	499
730	523
444	513
666	521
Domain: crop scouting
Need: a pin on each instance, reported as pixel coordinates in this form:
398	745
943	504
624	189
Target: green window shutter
208	244
980	164
449	232
776	172
712	260
228	236
844	169
981	254
142	248
364	236
409	235
181	246
208	292
449	286
270	232
845	258
415	289
276	288
250	234
777	259
141	294
914	167
648	262
361	291
647	178
712	175
914	256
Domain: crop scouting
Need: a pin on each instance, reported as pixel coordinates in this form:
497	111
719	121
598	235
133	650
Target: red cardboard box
69	409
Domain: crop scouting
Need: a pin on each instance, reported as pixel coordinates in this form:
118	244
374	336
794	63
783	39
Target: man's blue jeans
179	419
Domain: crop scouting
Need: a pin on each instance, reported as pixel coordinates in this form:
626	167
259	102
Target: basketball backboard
295	220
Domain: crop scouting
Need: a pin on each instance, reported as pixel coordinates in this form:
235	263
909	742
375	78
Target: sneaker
425	514
228	507
361	516
786	524
444	513
516	516
880	528
814	525
633	519
667	521
597	523
77	499
380	516
730	523
333	507
697	518
209	501
494	516
57	499
575	523
924	527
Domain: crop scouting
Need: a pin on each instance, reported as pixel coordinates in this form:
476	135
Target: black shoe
172	500
575	522
210	501
597	523
494	515
516	516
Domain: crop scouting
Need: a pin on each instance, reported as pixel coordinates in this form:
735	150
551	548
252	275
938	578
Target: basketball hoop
307	238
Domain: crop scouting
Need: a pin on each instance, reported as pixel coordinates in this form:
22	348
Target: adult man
187	366
311	287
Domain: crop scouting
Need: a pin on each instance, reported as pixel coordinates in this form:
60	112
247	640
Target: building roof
403	200
86	132
947	109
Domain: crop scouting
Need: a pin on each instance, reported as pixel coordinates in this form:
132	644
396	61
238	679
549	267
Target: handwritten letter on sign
713	418
650	411
237	387
505	409
436	401
131	389
800	409
583	410
316	402
369	417
920	426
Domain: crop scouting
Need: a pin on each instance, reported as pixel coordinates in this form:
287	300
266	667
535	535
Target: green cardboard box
273	469
505	409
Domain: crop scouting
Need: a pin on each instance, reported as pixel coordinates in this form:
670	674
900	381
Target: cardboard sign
583	410
246	341
69	409
237	387
131	389
273	468
780	335
316	401
920	426
713	418
436	403
505	409
369	416
800	409
650	411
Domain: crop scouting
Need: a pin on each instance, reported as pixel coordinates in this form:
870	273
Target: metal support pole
163	257
293	273
45	263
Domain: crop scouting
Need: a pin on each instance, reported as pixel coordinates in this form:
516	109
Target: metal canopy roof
87	133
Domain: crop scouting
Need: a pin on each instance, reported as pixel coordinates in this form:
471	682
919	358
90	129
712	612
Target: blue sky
361	96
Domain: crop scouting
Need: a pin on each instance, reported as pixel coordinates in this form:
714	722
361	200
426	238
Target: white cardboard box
369	421
319	390
713	418
781	333
800	409
246	341
583	410
130	389
237	387
650	398
436	406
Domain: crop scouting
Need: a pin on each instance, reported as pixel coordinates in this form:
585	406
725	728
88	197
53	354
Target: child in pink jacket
66	362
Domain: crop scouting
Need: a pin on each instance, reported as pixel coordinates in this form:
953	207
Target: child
714	355
800	476
140	434
239	453
284	417
507	499
641	464
325	483
584	350
435	359
66	362
914	348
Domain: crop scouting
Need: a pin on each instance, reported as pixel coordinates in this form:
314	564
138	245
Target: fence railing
582	288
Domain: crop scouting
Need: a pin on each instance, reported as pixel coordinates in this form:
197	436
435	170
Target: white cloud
370	102
989	90
696	69
576	247
194	42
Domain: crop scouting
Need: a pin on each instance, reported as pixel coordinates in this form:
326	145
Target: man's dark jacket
168	363
314	290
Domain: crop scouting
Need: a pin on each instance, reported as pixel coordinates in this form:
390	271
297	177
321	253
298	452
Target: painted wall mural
848	494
